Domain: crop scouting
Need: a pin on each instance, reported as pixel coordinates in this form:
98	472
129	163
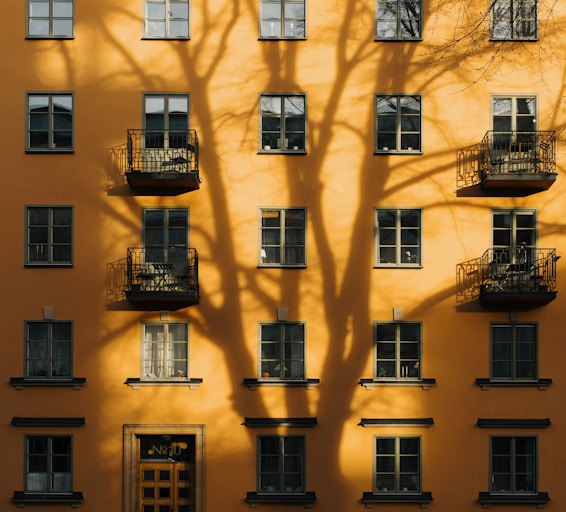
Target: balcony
162	162
509	279
156	279
510	163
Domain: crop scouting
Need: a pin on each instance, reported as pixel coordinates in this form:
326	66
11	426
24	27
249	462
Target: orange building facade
283	254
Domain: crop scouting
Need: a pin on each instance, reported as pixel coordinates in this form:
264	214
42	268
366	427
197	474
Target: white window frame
507	18
282	472
167	20
283	232
179	367
50	357
402	482
402	363
55	115
393	118
284	24
52	17
40	244
407	252
289	364
494	486
395	13
52	484
282	110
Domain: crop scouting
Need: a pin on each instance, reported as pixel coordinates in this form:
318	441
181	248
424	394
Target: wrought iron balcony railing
510	160
156	278
518	152
162	158
509	277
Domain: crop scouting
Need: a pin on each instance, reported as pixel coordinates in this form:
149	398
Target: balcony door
165	234
514	235
514	120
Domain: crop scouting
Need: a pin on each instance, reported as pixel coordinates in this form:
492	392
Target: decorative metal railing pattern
512	153
521	269
163	270
158	151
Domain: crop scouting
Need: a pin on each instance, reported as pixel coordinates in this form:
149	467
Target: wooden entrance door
166	487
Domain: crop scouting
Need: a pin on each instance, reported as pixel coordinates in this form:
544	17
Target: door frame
131	459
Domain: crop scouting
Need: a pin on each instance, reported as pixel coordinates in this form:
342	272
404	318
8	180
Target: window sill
398	152
21	382
426	384
282	152
136	383
370	499
257	383
487	499
32	37
484	383
170	38
44	151
401	265
282	38
514	39
306	499
397	39
278	265
21	498
43	264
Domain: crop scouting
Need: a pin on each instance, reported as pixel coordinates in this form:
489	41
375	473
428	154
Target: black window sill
21	498
398	39
306	499
257	383
282	152
426	384
165	38
136	383
486	383
370	499
514	39
31	37
21	382
282	38
281	265
48	265
44	151
398	265
487	499
408	152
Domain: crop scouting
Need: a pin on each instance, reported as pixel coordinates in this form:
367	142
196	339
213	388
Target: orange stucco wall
339	295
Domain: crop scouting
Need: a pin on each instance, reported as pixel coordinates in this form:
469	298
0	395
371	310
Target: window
48	350
513	464
514	122
50	122
282	237
397	237
166	19
397	350
398	123
166	121
514	235
398	19
281	464
282	346
50	19
514	351
165	351
49	235
48	464
282	123
397	464
514	19
282	19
